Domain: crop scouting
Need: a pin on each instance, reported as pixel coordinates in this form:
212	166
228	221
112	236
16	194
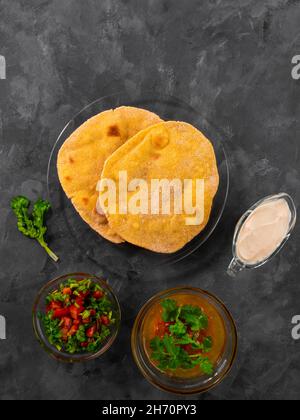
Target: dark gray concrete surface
231	60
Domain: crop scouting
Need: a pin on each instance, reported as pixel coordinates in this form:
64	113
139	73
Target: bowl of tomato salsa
76	317
184	341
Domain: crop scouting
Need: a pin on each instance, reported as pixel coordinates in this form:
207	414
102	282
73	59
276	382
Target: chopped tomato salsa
78	316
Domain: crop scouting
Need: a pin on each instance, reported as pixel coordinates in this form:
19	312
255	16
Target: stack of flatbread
139	142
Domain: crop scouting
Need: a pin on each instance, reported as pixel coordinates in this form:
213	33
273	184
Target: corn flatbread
82	156
167	150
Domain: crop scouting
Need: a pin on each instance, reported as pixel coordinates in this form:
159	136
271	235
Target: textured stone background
231	60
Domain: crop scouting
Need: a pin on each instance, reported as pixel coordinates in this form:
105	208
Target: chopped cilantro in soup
184	336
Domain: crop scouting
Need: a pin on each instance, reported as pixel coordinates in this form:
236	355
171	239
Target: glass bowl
40	306
168	108
172	383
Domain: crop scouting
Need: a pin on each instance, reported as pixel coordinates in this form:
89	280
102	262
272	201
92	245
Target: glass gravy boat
236	264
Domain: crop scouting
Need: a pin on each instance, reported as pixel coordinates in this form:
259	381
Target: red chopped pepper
90	332
67	291
84	295
73	330
98	294
64	333
74	312
60	313
105	320
54	305
79	301
188	348
163	328
67	322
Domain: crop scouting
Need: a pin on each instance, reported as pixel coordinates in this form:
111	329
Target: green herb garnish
32	225
170	310
194	317
184	325
52	329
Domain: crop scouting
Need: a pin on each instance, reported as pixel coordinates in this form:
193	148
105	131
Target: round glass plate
168	108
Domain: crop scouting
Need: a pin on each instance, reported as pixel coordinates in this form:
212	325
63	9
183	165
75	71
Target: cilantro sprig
192	315
32	226
185	324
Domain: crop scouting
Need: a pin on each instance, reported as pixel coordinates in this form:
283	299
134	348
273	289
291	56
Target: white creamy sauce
263	231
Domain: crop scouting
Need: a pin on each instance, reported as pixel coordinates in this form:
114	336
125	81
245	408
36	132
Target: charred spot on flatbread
82	157
113	131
